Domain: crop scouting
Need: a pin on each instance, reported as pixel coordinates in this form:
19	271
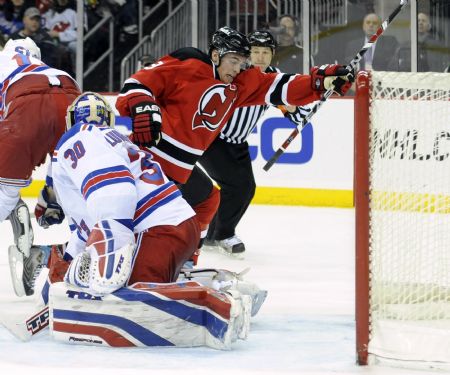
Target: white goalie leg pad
182	314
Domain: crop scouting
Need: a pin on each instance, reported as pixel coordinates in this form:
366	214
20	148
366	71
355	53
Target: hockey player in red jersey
33	102
179	105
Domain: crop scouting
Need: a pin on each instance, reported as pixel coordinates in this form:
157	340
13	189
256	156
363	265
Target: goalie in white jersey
131	228
132	233
131	223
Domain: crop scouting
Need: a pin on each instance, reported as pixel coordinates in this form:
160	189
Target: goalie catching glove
106	263
146	118
47	210
332	76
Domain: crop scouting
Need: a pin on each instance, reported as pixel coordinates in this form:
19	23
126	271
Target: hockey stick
328	93
30	318
25	326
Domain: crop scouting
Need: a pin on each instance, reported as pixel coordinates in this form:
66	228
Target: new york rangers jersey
98	174
14	66
195	104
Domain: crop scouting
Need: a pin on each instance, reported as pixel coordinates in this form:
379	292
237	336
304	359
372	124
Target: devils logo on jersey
213	106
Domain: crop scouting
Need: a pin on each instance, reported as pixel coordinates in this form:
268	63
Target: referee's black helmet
262	38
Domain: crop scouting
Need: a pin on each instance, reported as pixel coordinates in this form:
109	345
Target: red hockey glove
332	76
146	117
56	264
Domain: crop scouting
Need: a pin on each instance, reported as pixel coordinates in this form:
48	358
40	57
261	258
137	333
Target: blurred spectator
11	14
97	43
32	28
145	60
2	41
61	21
429	50
289	55
381	55
126	15
429	57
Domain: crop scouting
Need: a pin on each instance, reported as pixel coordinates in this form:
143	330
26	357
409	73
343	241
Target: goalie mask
90	108
25	47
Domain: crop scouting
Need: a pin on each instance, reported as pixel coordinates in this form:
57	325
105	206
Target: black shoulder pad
190	53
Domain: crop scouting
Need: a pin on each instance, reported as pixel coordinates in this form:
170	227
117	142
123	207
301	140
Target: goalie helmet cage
402	219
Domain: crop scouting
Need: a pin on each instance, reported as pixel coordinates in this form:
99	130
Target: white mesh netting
409	206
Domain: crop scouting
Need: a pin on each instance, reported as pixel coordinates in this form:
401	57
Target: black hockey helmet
226	40
262	38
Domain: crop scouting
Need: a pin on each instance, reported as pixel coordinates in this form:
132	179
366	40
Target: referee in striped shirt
227	160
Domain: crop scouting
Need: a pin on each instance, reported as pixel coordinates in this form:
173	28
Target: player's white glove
48	211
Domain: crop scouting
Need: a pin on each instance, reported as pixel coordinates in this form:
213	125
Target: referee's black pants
229	165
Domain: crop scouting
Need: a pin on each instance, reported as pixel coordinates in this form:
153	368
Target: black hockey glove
48	211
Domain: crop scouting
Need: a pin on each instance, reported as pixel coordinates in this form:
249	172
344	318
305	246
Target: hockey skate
232	246
25	270
22	229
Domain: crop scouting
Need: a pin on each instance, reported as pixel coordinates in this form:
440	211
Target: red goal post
402	218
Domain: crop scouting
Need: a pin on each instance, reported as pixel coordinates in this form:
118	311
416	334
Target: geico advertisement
320	157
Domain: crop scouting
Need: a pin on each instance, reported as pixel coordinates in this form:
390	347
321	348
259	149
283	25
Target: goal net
402	201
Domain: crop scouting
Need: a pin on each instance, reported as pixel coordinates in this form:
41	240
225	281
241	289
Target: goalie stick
328	93
32	318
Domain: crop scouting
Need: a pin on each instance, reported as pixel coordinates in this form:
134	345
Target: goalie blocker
183	314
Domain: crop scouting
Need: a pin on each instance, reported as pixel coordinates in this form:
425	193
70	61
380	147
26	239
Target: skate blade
25	241
15	258
221	250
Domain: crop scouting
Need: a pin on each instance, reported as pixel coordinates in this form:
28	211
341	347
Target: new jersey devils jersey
195	104
98	174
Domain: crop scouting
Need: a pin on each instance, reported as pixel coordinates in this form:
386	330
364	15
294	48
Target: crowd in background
52	24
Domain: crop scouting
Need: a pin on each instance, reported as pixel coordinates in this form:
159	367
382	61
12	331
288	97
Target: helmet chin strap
216	63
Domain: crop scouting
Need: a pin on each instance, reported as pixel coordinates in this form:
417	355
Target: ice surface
303	256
